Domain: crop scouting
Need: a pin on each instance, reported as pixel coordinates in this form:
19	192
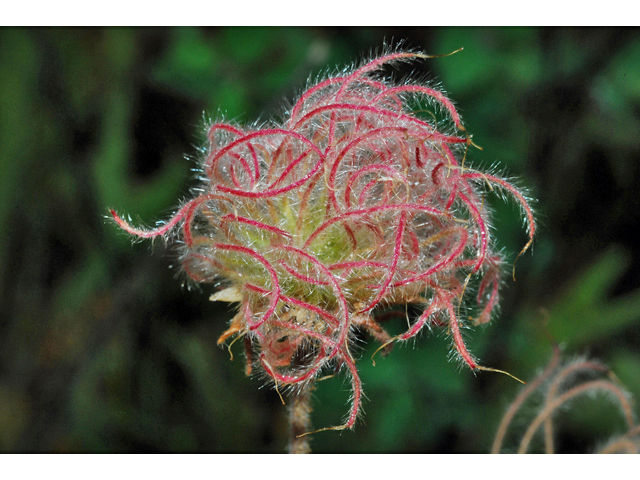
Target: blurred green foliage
102	349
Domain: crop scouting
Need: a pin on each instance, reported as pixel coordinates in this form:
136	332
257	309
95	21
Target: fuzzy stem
520	399
574	392
625	442
300	422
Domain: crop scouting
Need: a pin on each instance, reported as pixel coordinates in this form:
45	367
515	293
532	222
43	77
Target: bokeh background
102	349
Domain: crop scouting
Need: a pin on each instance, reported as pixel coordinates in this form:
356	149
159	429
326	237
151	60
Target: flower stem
300	422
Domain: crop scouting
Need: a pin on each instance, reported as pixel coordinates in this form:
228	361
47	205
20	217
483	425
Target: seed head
353	203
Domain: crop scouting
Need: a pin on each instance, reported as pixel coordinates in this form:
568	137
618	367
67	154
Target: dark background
102	348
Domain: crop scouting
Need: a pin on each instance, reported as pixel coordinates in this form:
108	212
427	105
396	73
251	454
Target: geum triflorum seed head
352	203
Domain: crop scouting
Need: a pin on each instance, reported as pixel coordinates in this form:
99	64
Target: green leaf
585	314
